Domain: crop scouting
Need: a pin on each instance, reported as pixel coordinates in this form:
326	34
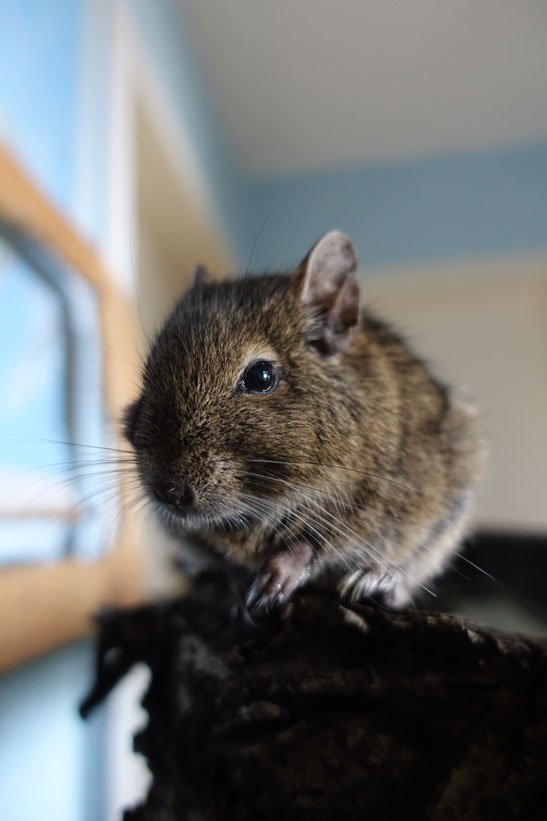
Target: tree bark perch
331	711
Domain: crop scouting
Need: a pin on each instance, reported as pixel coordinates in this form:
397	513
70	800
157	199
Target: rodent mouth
192	521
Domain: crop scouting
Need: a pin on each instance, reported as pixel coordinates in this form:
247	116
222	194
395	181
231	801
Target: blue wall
50	761
408	213
39	44
46	752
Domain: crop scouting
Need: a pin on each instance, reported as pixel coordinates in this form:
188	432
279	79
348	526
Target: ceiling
307	85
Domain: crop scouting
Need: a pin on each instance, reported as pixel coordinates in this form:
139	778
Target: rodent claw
279	599
252	596
264	595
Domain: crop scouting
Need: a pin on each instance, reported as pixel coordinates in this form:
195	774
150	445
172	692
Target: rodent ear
201	276
326	280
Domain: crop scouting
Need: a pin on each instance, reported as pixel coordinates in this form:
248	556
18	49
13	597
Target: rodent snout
173	494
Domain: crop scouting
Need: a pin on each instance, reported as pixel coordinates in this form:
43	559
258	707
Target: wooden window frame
45	605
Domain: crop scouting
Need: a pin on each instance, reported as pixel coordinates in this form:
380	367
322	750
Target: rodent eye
260	377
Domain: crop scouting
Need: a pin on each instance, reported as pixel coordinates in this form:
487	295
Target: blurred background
149	135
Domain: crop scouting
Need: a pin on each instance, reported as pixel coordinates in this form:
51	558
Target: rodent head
241	394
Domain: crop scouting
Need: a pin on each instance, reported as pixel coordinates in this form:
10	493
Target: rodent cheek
219	489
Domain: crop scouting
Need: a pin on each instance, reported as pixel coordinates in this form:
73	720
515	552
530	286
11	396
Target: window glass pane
54	486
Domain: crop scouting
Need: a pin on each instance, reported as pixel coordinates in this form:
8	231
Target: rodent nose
170	493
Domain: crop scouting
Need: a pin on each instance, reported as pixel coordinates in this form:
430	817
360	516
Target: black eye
260	377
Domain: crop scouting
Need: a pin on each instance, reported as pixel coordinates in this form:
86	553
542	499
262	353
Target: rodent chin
200	523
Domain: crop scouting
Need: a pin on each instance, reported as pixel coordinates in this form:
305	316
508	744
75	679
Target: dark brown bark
327	711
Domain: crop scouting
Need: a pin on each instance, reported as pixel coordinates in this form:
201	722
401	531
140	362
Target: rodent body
299	437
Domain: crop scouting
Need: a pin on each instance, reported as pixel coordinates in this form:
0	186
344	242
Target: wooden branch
44	606
333	712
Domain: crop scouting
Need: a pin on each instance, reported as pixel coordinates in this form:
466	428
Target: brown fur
364	461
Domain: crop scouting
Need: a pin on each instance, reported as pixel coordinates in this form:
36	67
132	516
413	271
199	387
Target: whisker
363	545
348	533
298	517
371	474
451	520
477	567
43	440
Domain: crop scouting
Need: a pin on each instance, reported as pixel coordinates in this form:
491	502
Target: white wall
483	326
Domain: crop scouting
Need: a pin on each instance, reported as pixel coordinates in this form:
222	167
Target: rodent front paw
281	575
